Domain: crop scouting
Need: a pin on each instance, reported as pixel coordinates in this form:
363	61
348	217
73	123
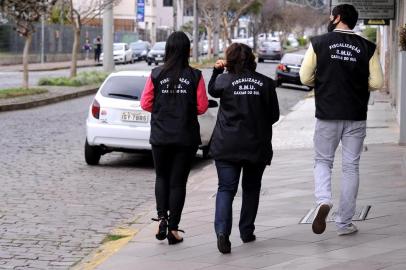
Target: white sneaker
350	229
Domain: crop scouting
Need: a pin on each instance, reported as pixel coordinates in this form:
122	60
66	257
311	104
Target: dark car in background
288	69
269	50
140	50
156	54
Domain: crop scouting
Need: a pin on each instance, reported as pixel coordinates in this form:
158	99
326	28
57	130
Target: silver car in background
269	50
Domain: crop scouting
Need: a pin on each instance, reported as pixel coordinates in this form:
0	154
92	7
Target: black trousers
229	177
172	166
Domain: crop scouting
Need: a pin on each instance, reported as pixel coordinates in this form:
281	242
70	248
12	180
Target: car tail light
96	109
282	67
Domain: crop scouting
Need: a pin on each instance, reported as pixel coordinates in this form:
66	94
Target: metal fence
58	41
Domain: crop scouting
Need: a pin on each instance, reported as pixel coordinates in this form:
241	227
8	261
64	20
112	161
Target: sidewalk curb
58	68
5	68
47	101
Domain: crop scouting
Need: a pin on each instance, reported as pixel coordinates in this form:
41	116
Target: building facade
394	64
159	19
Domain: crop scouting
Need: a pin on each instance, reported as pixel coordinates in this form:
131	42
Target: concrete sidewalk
287	195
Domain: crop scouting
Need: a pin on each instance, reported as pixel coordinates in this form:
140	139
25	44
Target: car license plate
135	117
294	70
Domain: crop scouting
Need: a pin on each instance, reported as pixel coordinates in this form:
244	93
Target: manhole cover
361	214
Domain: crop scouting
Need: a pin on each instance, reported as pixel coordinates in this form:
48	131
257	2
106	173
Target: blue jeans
229	176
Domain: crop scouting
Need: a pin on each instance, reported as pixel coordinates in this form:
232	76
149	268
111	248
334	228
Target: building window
167	3
188	11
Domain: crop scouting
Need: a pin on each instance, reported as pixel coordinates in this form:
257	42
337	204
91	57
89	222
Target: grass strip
83	78
113	237
19	92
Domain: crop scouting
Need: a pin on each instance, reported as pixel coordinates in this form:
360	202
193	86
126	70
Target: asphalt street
54	209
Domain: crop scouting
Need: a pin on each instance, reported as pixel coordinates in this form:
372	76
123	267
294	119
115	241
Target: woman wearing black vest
241	139
174	94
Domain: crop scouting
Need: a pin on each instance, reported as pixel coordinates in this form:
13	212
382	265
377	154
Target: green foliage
84	78
19	92
235	5
113	237
302	41
58	15
188	27
370	34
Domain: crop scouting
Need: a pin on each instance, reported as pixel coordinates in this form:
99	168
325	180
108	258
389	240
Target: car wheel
260	60
149	63
92	154
156	63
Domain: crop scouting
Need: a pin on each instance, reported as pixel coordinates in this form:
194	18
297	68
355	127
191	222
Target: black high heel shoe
163	227
172	240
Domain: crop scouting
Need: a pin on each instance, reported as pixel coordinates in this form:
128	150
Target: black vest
174	114
248	108
341	81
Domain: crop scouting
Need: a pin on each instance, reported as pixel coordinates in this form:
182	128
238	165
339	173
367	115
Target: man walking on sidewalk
343	67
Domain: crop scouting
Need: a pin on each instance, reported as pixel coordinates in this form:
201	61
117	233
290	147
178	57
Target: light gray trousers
327	136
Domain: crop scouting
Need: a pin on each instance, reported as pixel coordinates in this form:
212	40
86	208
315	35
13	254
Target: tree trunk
27	45
226	33
209	41
75	51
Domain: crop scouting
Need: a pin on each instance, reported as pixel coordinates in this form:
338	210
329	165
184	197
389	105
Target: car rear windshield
124	87
118	47
159	46
292	59
139	46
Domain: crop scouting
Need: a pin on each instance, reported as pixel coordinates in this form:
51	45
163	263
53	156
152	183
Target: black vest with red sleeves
341	81
174	114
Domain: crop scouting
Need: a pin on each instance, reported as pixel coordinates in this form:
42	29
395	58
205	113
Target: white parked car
116	121
122	53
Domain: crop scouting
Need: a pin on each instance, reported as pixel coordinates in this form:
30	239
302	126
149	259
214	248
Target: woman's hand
220	64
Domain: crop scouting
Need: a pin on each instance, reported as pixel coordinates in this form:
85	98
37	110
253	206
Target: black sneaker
223	244
319	222
248	238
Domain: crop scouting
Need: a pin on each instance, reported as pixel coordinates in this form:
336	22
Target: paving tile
262	260
304	263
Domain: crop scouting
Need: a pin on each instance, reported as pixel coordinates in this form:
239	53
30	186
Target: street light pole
108	61
195	32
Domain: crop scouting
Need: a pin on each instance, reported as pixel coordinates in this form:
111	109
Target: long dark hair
239	57
176	59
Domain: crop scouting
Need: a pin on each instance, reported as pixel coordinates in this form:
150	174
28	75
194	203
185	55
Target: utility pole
108	60
175	15
195	32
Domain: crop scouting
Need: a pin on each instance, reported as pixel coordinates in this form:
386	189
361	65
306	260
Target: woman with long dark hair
174	94
241	139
